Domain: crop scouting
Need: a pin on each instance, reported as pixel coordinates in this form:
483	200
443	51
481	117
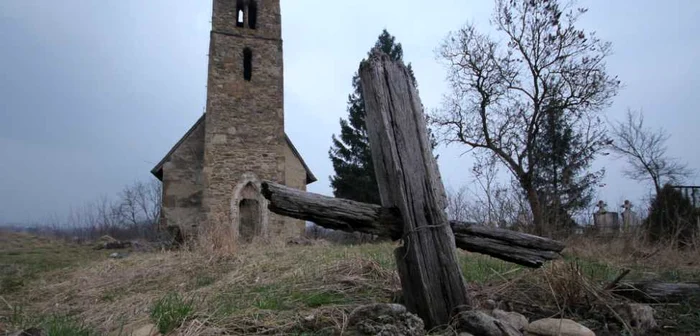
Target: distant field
271	288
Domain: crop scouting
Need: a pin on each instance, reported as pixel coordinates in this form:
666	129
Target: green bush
672	217
170	312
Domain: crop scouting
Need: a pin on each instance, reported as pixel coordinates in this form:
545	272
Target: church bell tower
244	130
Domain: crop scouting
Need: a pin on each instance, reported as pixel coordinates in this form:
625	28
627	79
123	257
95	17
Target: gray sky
94	93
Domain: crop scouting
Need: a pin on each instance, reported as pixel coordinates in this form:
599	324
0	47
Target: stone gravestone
630	220
606	222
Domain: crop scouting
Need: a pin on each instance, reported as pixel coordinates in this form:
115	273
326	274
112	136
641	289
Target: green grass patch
271	297
271	302
595	270
482	269
170	312
318	299
66	326
24	258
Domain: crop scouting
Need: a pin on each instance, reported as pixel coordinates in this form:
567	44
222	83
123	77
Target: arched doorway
250	221
249	214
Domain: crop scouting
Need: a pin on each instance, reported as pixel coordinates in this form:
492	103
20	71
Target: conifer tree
562	176
350	153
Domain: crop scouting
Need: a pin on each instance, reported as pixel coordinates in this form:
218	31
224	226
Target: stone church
212	175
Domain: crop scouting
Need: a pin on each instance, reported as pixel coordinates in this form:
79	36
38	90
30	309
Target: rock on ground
557	327
146	330
482	324
117	255
109	243
385	320
516	320
639	317
302	241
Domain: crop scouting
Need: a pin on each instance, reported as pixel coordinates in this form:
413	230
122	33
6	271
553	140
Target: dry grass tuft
216	240
662	261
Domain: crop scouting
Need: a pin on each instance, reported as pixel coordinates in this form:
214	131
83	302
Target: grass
482	269
301	290
66	326
52	325
26	258
170	312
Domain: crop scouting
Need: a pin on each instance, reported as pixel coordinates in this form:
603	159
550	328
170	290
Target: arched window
240	13
247	64
252	14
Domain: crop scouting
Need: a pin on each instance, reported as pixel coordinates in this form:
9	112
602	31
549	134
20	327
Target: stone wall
295	173
245	119
182	183
295	177
269	19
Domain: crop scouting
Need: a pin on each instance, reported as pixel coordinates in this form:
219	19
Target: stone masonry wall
182	183
245	119
295	177
269	23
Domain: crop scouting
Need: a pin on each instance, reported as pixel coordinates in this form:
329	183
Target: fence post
408	180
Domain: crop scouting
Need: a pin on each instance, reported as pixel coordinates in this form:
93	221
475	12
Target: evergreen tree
562	179
350	153
672	217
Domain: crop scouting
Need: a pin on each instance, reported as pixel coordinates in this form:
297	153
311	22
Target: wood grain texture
332	213
339	214
407	178
661	292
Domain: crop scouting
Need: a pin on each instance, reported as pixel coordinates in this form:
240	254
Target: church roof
157	171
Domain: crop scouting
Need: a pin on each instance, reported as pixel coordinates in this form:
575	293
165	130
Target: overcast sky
94	93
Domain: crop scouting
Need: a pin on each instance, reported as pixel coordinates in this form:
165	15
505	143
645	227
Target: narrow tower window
252	14
240	13
247	64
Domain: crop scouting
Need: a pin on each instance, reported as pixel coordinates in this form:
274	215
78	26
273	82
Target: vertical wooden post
408	180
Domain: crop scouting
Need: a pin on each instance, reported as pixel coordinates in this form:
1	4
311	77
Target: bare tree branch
645	151
500	92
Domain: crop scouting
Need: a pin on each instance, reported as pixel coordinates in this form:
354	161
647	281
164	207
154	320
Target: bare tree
502	91
645	151
140	203
487	202
458	206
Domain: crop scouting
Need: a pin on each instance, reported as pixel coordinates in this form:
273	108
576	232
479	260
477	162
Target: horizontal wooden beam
687	293
350	216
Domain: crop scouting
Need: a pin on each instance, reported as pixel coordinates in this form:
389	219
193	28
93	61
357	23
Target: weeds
66	326
270	298
203	281
313	300
482	269
171	311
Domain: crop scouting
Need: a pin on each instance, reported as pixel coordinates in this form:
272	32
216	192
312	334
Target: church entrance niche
250	224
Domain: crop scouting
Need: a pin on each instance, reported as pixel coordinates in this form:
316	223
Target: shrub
671	217
170	312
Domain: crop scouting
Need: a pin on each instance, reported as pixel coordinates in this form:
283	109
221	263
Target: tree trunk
408	180
538	216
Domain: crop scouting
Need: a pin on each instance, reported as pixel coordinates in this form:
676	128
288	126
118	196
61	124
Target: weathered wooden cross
413	202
